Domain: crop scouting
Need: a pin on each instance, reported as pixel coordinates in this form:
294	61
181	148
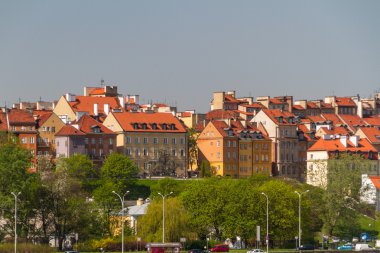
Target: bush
114	244
25	248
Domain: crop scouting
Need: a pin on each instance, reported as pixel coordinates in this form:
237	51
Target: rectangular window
137	140
174	152
145	152
53	129
22	128
86	141
111	141
155	140
128	140
174	141
182	140
128	151
218	155
218	143
165	140
100	141
32	140
145	140
93	141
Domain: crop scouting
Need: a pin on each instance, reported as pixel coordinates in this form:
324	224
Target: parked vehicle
362	246
306	247
347	246
220	248
255	251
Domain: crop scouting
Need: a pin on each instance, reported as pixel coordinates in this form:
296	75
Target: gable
63	109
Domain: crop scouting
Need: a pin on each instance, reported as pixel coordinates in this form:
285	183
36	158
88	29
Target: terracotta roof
200	126
3	121
87	123
69	130
372	134
221	114
373	121
307	133
276	101
317	119
326	105
254	105
353	121
275	115
127	119
220	126
43	118
312	105
231	99
185	114
17	116
97	91
42	112
336	145
332	117
376	181
298	107
336	131
344	101
160	105
86	104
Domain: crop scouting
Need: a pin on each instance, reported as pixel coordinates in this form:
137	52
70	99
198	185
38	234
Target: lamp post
163	214
15	195
299	216
122	218
267	236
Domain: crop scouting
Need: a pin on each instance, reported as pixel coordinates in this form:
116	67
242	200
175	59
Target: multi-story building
284	103
156	142
228	101
48	125
342	105
69	141
190	118
281	127
329	147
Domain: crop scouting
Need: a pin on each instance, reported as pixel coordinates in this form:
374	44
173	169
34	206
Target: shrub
26	248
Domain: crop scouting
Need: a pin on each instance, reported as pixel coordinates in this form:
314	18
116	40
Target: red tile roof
298	107
332	117
275	114
317	119
326	105
160	105
373	121
276	101
127	119
43	118
231	99
345	101
353	121
97	91
376	181
17	116
336	131
42	112
307	133
221	114
254	105
372	134
220	126
69	130
336	145
87	123
86	104
185	114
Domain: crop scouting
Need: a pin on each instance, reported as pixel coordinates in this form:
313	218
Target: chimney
96	112
106	109
139	202
343	140
355	140
121	101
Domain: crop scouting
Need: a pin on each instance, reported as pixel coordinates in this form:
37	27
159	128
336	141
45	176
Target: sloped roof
86	104
376	181
69	130
275	114
336	145
372	134
43	118
127	119
231	99
317	119
336	130
353	121
98	91
345	101
221	114
86	124
138	210
254	105
298	107
3	121
373	121
18	116
332	117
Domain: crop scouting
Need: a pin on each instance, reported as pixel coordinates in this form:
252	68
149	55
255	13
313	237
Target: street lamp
267	236
299	216
15	195
122	218
163	214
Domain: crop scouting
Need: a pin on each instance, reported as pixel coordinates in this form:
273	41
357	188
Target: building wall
317	168
63	108
46	135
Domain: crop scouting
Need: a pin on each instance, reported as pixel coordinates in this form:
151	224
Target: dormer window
135	126
95	129
164	126
154	126
281	119
230	132
172	126
144	126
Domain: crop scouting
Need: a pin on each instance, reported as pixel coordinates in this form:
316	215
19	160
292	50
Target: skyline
173	52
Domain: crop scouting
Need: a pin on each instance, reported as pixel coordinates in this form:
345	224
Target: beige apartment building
156	142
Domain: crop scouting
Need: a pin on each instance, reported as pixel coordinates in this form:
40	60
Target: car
71	251
255	251
306	247
195	251
220	248
347	246
362	246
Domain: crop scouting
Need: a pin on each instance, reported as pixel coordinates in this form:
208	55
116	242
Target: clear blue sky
182	51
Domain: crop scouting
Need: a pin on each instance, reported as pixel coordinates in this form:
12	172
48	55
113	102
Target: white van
362	246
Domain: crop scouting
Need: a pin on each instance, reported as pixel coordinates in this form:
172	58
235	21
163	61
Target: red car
220	248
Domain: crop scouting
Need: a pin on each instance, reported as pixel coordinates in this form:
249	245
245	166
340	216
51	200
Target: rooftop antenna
40	99
102	82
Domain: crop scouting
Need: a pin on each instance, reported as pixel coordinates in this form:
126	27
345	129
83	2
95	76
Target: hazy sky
180	52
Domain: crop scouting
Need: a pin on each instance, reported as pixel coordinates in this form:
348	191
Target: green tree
205	169
176	222
192	137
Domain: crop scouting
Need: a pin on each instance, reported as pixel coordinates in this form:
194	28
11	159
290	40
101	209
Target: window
154	126
218	155
93	141
100	152
145	140
46	153
182	140
182	152
234	144
13	128
128	140
111	141
86	141
44	129
53	129
257	158
22	128
137	152
145	152
174	141
57	143
228	155
155	140
144	126
165	140
137	140
218	143
30	128
128	151
228	143
100	141
46	140
47	129
32	140
135	125
174	152
164	127
233	155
